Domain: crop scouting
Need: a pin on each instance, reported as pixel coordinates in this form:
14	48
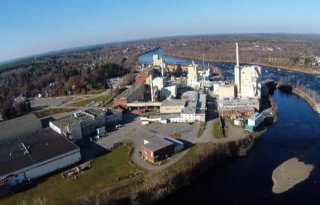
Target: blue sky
30	27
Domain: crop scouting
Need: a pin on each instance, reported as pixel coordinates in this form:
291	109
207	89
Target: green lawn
110	170
216	129
105	99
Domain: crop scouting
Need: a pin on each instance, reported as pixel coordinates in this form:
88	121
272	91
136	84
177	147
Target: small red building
156	149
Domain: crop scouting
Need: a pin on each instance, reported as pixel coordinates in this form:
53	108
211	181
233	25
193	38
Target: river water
247	180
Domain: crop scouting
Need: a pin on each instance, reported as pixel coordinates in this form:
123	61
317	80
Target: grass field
105	99
316	43
108	171
216	129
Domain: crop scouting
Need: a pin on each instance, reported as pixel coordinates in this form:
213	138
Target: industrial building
193	75
35	155
162	87
247	79
156	149
85	123
226	90
134	93
158	62
178	145
244	96
18	126
236	111
254	121
172	106
238	103
189	109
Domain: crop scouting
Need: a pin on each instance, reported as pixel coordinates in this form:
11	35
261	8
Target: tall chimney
151	87
237	53
162	71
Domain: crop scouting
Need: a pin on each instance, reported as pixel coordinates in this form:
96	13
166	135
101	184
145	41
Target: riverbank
307	98
291	68
300	93
200	159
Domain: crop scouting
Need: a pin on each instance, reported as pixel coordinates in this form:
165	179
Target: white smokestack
151	86
237	53
162	71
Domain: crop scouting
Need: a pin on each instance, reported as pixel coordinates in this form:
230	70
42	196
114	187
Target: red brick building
156	149
240	111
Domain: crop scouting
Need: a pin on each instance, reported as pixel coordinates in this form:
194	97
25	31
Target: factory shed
156	149
35	155
134	93
254	121
14	128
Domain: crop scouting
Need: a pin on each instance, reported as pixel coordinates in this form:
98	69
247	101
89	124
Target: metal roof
174	102
65	121
33	149
157	143
255	116
16	127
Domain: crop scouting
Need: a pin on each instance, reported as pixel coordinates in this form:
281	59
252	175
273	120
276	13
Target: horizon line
87	46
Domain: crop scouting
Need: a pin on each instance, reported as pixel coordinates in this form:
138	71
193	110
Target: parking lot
47	102
132	131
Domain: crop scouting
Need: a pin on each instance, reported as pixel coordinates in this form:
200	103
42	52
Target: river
247	180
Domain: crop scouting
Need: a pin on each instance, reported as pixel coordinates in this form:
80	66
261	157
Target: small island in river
289	174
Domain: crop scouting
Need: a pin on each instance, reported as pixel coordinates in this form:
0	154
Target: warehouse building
236	111
18	126
35	155
134	93
156	149
238	106
85	123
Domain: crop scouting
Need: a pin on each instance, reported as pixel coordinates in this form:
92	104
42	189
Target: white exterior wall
250	82
255	122
200	117
193	75
158	82
43	168
188	117
55	128
226	92
158	61
216	87
176	119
